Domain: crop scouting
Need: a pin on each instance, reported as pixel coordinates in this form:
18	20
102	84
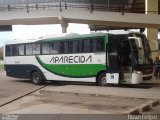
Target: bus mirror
138	40
140	43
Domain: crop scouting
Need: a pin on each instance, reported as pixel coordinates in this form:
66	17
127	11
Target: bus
103	58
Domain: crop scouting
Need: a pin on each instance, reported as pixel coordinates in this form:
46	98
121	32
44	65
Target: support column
64	24
151	7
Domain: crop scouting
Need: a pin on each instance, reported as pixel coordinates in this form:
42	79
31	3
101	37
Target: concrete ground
75	98
42	102
12	88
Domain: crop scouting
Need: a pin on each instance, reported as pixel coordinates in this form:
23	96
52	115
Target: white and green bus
103	58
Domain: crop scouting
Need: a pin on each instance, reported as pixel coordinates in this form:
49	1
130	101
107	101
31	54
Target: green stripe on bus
73	70
105	41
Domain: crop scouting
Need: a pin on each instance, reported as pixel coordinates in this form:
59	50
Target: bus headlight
138	72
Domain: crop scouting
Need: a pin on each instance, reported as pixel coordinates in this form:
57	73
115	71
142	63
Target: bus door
112	57
125	60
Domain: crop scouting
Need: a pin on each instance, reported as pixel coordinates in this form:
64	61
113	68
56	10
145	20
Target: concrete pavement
13	88
41	102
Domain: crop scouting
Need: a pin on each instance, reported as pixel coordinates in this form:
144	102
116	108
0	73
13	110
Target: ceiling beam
84	16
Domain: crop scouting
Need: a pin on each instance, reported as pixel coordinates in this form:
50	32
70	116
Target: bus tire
101	80
36	78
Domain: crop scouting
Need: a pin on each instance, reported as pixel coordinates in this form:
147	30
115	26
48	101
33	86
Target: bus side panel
75	67
21	71
18	71
21	66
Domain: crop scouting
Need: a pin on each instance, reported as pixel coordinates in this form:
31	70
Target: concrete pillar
64	27
151	7
64	24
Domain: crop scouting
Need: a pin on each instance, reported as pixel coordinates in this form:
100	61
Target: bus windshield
141	55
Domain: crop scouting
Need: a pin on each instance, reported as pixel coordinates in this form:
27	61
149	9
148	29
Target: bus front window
139	53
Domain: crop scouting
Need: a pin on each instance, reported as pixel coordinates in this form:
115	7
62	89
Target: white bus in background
103	58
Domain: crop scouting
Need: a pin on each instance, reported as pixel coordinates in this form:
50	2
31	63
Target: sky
35	31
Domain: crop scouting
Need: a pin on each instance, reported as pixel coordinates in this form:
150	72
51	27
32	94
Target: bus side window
54	48
81	46
73	46
51	48
45	48
88	45
21	49
15	51
8	50
57	47
70	46
29	49
100	45
64	47
36	49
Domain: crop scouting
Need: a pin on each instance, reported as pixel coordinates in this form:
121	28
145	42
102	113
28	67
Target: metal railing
29	5
61	6
113	2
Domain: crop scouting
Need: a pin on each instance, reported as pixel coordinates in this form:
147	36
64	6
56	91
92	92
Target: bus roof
73	36
66	37
54	37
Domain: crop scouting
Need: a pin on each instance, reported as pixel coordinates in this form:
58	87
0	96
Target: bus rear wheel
101	80
36	78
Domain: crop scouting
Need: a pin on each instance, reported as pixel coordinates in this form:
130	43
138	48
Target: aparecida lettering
71	59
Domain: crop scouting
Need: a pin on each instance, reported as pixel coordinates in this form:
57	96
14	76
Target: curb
143	107
153	103
132	111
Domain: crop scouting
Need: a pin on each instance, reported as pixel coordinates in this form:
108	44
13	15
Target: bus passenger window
36	49
21	49
15	51
81	46
70	46
88	45
73	46
29	49
51	48
54	48
45	48
8	50
100	45
64	47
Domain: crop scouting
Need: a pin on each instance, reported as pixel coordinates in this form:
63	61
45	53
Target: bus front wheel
101	80
36	78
